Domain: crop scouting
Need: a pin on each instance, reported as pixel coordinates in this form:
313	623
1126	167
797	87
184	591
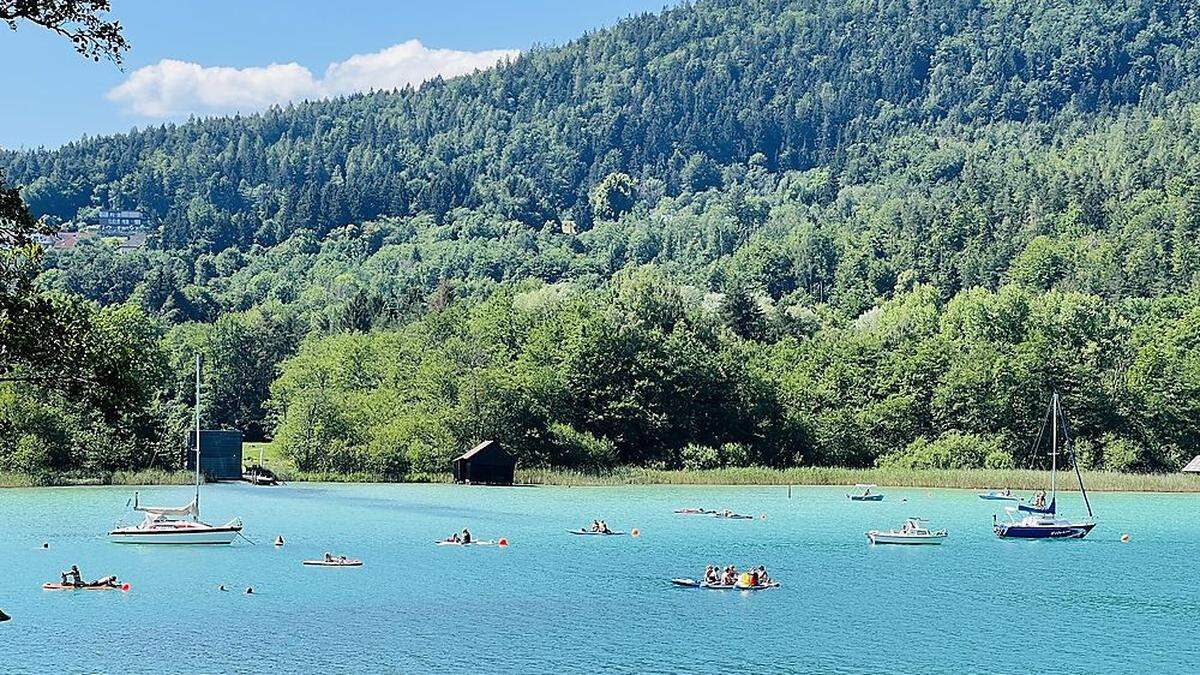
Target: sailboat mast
197	434
1054	447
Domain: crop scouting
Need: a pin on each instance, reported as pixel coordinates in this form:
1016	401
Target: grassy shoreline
1017	479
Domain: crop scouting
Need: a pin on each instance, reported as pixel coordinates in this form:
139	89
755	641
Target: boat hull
910	540
213	536
866	498
1056	531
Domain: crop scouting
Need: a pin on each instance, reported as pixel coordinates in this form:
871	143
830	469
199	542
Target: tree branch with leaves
83	22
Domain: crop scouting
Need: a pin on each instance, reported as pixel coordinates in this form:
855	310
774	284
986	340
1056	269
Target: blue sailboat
1043	521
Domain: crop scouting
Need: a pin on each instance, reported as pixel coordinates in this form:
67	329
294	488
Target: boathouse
486	464
220	454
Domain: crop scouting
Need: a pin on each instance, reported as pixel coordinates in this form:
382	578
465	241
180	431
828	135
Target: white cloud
173	88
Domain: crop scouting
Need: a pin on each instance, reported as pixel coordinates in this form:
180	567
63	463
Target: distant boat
178	524
865	495
1000	496
914	531
1044	523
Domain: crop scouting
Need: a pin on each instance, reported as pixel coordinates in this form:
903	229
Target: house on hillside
486	464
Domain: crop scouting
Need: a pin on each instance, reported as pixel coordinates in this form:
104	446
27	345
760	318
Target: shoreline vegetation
974	479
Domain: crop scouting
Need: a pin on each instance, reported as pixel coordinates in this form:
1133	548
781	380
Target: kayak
589	532
85	587
333	563
459	543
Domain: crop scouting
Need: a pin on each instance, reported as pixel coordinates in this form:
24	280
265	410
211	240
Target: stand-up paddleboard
124	586
692	583
349	562
459	543
589	532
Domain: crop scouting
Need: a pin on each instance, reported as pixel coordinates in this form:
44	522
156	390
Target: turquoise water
556	602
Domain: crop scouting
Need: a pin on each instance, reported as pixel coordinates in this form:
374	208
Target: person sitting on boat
762	575
604	528
730	576
1007	492
466	536
1040	500
595	526
328	557
711	576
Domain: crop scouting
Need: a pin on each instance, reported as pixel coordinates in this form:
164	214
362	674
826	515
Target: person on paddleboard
72	577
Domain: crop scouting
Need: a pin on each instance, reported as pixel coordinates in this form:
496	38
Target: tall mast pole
197	502
1054	448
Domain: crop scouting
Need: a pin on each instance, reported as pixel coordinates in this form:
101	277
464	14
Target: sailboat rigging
1043	521
178	524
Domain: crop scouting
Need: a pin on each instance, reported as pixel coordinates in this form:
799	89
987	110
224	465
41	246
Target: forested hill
735	233
803	83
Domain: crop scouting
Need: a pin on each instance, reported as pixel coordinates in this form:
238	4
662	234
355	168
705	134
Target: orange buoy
502	542
634	532
1125	538
125	587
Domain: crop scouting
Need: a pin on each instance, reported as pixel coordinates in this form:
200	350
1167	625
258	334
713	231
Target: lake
551	601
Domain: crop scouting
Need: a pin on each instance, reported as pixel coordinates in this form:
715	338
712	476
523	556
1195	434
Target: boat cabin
487	464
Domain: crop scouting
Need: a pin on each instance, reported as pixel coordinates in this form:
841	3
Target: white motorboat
914	531
177	524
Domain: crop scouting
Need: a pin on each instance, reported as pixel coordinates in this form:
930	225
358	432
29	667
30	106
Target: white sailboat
178	524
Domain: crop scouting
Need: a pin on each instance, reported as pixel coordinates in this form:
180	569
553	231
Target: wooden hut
487	464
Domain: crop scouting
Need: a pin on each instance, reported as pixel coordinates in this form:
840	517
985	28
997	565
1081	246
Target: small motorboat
695	512
339	561
913	531
609	533
730	515
1005	496
863	494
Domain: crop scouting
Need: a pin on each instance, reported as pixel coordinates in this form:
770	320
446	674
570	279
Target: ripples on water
560	603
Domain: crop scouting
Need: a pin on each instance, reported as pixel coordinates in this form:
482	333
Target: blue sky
209	57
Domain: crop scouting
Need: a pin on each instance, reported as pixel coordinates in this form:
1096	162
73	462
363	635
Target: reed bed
144	477
1016	479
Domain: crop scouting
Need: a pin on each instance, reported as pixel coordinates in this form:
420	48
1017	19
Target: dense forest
771	232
